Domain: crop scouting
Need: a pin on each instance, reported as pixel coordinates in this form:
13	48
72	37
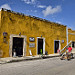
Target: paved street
50	66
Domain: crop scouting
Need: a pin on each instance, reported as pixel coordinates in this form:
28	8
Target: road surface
50	66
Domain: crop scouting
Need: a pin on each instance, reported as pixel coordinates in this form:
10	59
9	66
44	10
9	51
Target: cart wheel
61	58
68	59
72	55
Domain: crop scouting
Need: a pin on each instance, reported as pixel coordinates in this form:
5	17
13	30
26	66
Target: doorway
56	46
17	46
40	46
73	44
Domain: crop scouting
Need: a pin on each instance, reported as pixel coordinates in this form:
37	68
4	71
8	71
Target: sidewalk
17	59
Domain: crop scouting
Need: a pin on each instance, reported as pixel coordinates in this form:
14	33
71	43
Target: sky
59	11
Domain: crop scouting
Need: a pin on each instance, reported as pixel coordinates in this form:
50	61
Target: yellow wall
0	19
71	35
13	23
0	22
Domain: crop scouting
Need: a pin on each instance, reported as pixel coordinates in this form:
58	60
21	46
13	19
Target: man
69	49
69	54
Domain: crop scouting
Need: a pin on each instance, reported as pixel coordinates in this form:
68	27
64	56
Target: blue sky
59	11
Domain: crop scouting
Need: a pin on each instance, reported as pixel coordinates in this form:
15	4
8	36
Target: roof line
30	16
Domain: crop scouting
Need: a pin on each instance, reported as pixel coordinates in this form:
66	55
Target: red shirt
69	49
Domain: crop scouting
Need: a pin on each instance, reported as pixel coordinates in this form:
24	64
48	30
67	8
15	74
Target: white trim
11	43
43	45
59	45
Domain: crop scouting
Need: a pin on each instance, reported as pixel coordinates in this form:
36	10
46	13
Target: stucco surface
71	35
13	23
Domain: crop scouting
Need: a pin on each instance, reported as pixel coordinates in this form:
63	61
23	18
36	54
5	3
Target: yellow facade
0	19
15	23
71	35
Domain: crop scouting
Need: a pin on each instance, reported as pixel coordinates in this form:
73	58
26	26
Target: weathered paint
14	23
0	27
0	19
71	35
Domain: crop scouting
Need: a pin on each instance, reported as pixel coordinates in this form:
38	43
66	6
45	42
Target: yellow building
29	35
71	37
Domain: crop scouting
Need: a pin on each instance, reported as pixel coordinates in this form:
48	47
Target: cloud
5	6
58	22
36	3
32	11
41	6
29	1
49	10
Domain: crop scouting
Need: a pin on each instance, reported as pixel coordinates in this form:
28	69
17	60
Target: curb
23	60
32	59
28	59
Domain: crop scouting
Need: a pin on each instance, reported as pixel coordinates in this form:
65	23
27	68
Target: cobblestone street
50	66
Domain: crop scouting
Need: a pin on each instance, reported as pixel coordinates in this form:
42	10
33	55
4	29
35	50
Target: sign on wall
32	39
31	44
62	41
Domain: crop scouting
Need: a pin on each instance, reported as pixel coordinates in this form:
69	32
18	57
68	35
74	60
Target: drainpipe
67	34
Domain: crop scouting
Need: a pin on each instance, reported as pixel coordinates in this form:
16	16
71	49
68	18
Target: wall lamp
20	34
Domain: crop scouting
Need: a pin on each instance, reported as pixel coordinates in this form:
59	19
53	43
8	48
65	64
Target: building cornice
71	33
